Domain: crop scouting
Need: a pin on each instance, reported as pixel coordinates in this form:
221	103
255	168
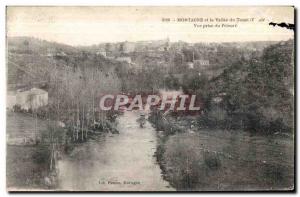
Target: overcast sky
93	25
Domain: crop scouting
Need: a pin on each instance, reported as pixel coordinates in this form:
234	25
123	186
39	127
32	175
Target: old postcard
150	98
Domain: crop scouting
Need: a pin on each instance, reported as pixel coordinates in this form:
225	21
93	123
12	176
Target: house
219	98
103	53
164	47
190	65
124	59
201	63
30	99
11	99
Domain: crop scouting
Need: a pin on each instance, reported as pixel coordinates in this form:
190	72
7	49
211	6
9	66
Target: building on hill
127	47
190	65
60	54
100	52
201	63
28	99
124	59
11	99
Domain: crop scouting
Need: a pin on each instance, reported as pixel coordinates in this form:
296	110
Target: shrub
41	155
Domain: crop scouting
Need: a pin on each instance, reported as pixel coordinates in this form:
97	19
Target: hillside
32	61
29	45
260	90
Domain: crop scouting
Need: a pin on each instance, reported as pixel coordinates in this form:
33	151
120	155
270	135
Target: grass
211	159
26	165
22	171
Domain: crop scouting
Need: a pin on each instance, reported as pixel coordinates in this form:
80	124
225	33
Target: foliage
262	88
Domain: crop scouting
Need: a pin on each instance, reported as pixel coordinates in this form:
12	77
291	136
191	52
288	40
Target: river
115	162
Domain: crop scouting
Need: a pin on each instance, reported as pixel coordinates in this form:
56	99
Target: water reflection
122	162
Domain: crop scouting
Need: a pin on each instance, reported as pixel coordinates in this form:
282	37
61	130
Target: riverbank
26	162
194	159
34	148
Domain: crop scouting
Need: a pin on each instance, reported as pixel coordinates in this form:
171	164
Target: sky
94	25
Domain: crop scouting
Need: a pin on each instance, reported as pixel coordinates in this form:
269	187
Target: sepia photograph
150	98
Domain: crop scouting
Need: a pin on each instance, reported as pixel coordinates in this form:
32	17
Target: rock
191	131
61	124
160	133
48	181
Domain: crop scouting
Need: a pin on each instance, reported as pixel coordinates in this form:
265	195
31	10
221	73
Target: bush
212	161
42	154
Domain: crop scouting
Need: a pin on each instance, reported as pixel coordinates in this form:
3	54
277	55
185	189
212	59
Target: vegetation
247	87
254	94
259	92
